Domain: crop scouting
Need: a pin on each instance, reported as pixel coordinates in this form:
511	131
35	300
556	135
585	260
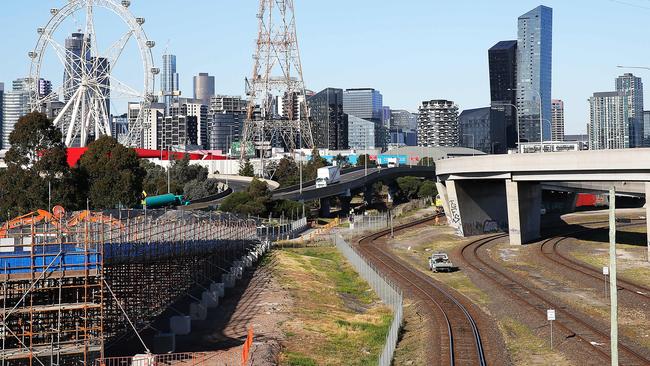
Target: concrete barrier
210	299
180	324
218	288
163	343
198	311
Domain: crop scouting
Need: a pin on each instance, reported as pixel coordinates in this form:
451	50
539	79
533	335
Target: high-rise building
329	122
203	87
608	124
150	122
76	59
646	128
44	87
226	116
534	69
120	126
476	130
169	85
177	132
2	93
502	58
438	123
193	108
403	120
15	104
557	120
361	133
367	103
631	87
364	103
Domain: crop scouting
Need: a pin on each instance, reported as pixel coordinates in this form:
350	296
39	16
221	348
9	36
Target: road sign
606	271
550	314
373	157
414	158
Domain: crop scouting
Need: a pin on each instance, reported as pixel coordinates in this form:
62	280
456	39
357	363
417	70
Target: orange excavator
55	218
29	219
98	217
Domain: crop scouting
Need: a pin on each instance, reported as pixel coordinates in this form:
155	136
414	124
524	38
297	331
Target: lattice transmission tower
277	113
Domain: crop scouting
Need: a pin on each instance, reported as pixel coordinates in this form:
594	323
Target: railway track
550	250
571	325
460	338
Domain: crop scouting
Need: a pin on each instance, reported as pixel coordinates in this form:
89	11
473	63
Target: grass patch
336	318
526	348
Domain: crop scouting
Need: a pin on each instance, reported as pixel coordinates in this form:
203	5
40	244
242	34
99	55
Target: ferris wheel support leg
75	110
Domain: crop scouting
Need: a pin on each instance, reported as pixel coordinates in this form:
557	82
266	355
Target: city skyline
398	71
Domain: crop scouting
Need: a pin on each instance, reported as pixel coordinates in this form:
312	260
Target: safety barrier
388	292
184	359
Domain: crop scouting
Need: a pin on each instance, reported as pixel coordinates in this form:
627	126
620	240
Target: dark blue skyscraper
502	58
534	70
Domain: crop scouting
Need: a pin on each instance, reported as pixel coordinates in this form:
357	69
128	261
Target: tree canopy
114	174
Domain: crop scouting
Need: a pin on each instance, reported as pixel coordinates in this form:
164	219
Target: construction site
74	285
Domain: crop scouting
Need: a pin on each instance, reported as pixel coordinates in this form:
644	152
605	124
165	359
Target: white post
612	282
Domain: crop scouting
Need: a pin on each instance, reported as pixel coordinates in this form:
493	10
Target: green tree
428	189
286	208
246	169
408	187
361	161
311	168
342	161
114	174
36	162
427	161
287	172
182	172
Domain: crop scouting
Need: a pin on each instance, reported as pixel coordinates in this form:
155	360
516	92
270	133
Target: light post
516	120
541	124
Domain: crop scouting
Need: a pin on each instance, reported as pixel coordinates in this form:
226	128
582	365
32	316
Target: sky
410	50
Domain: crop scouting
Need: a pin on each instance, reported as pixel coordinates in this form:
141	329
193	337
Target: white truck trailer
327	175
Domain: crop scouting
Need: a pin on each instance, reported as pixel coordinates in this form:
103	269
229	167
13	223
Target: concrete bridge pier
325	206
475	207
367	194
524	202
345	204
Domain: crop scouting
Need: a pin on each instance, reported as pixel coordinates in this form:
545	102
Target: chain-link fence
388	292
369	222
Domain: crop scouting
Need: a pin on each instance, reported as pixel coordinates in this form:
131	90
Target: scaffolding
67	290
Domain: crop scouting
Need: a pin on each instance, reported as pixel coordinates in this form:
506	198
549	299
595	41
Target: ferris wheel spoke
118	86
114	52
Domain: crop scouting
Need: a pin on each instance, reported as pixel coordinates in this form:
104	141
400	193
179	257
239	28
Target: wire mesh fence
387	291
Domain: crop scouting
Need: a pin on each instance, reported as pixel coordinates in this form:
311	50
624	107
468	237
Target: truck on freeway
327	175
392	163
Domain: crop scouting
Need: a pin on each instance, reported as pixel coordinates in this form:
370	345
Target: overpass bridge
503	192
355	180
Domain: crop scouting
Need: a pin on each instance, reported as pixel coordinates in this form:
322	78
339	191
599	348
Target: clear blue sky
411	50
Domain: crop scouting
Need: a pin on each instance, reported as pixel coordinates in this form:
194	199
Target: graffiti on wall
454	215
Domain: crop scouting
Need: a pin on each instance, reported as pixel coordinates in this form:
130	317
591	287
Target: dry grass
337	319
527	349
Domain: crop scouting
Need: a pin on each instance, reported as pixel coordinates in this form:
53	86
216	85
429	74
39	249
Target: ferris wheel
90	86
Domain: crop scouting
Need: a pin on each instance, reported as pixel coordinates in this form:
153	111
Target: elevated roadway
503	192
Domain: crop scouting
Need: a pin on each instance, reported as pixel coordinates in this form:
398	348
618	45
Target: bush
427	189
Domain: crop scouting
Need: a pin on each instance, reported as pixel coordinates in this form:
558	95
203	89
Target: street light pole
541	124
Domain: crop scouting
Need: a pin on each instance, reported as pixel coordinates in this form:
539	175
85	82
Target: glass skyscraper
534	69
502	58
631	87
364	103
168	80
15	104
329	123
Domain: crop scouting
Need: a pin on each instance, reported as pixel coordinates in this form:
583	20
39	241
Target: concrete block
144	360
180	324
198	311
229	281
164	343
218	288
210	299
